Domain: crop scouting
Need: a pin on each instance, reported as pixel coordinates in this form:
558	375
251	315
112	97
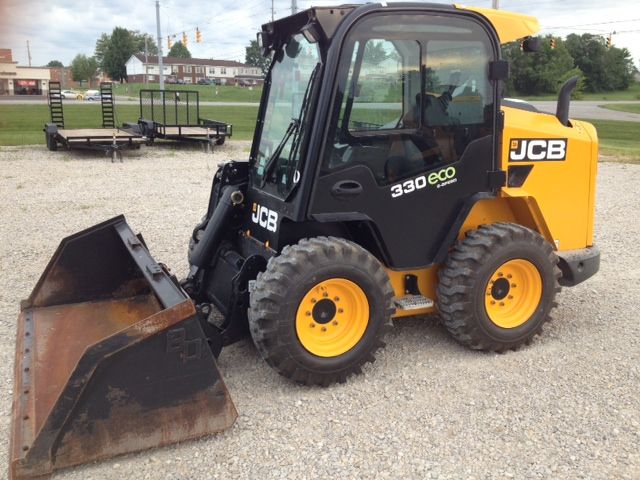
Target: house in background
191	70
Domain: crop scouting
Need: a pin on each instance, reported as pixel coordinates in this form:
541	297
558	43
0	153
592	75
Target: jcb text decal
537	149
264	217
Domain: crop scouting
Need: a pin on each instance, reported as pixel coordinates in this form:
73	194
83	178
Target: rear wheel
52	144
320	310
220	141
497	287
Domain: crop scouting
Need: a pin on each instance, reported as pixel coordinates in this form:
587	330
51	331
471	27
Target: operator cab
376	122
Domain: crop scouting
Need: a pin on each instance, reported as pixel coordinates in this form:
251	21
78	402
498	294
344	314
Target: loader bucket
110	358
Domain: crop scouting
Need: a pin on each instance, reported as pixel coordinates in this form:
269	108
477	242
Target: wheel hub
513	293
324	311
332	317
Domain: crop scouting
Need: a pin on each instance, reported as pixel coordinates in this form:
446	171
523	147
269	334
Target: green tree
605	69
374	53
113	51
254	58
179	50
534	73
55	64
83	68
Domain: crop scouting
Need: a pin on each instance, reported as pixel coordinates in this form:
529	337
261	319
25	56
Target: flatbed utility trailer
109	138
175	115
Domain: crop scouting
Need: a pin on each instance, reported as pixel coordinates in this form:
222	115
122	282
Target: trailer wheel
497	287
220	141
52	144
320	310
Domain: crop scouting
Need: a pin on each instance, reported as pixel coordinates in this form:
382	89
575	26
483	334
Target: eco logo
537	149
443	177
264	217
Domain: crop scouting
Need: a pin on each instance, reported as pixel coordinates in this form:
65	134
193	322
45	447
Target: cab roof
510	26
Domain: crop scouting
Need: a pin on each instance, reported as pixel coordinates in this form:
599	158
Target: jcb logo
442	175
264	217
535	150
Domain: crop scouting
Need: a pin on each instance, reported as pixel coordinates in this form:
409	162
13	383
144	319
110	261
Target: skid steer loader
387	178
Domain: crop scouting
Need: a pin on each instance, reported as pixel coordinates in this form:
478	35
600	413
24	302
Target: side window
413	92
380	95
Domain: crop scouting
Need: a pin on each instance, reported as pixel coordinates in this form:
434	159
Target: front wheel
320	310
497	287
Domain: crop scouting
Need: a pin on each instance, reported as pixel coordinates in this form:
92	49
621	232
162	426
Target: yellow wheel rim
332	317
513	293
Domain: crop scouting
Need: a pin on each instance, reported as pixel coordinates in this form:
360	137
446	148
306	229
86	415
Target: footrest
413	302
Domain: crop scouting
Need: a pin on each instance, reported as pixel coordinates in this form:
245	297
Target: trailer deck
109	139
175	115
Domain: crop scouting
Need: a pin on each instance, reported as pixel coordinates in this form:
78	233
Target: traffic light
552	43
609	41
185	39
169	42
198	35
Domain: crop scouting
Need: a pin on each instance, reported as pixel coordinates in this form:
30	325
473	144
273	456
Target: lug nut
340	310
493	302
510	297
312	325
308	314
335	324
513	285
509	276
313	300
325	294
502	304
336	299
500	274
324	329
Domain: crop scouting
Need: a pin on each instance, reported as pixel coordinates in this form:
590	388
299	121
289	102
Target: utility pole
294	7
272	12
146	60
29	52
160	72
496	4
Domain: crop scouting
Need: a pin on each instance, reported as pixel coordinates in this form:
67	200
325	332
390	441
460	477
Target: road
590	109
579	109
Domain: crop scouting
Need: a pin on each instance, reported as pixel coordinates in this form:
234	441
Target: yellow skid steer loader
387	178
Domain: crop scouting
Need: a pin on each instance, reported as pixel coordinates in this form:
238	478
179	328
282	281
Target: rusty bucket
110	358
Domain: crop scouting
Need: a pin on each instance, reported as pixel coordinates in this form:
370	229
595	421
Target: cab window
413	92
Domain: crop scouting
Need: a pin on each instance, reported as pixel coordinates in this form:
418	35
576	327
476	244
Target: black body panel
578	265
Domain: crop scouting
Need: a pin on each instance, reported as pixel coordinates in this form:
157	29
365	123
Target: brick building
19	80
191	70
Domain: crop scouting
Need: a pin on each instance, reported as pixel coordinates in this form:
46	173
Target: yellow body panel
563	192
509	26
557	199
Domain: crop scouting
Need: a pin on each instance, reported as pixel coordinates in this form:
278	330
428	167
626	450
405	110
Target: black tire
220	141
280	289
464	283
52	144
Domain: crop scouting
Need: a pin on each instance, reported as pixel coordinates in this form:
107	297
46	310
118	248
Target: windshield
276	166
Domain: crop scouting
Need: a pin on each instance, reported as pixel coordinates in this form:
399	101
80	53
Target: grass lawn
623	107
23	124
632	93
209	93
619	139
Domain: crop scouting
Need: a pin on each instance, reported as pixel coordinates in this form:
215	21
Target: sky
60	29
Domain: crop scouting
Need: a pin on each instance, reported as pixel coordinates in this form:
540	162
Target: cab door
411	137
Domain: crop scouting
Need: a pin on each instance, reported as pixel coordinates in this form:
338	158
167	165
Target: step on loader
388	178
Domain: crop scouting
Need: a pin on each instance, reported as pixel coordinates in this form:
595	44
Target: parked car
92	96
180	81
204	81
71	94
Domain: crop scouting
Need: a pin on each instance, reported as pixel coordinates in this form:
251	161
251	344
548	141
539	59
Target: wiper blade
293	126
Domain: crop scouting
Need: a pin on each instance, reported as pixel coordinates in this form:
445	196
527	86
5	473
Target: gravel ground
568	406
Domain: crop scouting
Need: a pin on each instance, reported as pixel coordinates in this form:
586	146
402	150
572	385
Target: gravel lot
568	406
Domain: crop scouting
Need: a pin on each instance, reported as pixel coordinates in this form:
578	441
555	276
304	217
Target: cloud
65	28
